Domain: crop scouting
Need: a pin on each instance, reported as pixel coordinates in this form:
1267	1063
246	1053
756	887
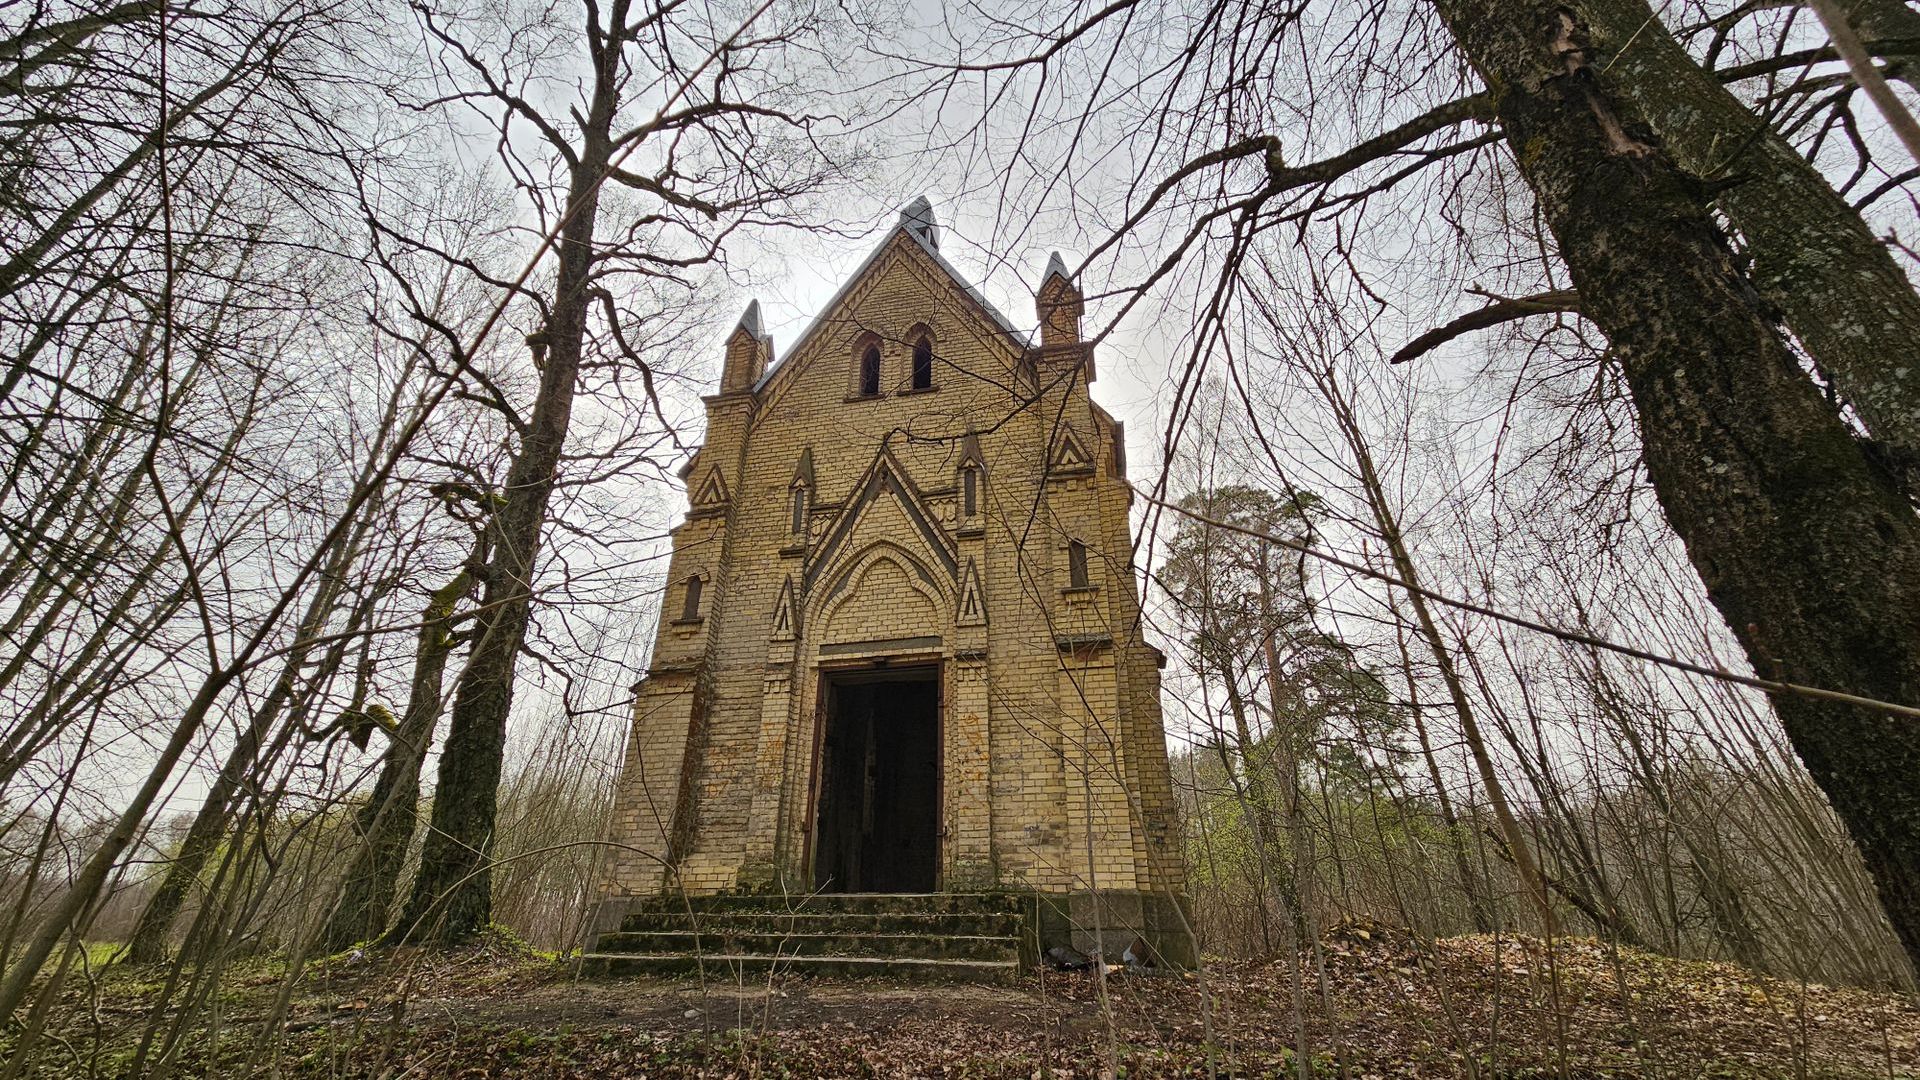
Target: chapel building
900	650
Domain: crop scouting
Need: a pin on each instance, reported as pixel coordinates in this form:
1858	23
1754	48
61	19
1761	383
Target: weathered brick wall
1054	760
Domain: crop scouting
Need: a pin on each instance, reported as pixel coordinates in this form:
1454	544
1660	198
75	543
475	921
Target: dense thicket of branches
332	400
1536	428
1678	220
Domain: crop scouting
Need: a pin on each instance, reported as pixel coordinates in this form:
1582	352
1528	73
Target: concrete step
934	946
840	903
724	965
942	936
823	922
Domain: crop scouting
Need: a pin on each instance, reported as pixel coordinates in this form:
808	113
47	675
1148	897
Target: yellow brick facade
1052	757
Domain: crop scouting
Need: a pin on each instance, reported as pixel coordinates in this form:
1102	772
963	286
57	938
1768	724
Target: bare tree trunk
149	941
1807	545
1866	75
1564	843
1288	740
1724	906
148	944
1885	21
452	896
1429	631
1259	792
1478	908
386	823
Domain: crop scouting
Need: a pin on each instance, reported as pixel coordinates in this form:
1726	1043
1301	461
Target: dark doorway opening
878	826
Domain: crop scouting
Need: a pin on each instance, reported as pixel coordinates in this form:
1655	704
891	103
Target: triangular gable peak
1070	454
712	492
837	324
970	451
883	479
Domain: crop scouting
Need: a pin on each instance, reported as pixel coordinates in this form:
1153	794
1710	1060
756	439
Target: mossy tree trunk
385	825
452	896
1814	259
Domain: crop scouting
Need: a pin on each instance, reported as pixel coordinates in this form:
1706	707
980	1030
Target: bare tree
718	152
1754	467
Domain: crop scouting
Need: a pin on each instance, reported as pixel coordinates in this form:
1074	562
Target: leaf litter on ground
1389	1005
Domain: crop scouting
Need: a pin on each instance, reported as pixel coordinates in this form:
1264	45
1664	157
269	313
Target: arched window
690	602
923	363
969	491
798	526
1076	564
870	372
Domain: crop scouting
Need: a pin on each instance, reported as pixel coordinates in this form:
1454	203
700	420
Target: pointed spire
970	450
917	219
749	351
1058	303
1056	267
750	322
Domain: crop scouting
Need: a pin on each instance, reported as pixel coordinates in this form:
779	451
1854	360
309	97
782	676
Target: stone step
824	922
721	965
839	903
969	936
936	946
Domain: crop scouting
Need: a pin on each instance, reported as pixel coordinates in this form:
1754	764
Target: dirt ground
1478	1007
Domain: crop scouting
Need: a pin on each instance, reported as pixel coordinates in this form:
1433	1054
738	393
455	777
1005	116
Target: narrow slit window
969	492
870	372
690	603
799	526
1076	564
923	363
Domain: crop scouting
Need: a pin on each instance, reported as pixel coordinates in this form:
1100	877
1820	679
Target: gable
885	506
904	262
1070	454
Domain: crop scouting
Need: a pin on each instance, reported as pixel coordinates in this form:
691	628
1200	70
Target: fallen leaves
1392	1006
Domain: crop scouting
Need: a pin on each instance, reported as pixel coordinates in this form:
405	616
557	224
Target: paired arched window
923	362
868	363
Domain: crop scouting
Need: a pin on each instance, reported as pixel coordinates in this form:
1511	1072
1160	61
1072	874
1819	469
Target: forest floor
1472	1006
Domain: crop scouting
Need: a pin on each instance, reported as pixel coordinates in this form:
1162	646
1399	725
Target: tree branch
1501	310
